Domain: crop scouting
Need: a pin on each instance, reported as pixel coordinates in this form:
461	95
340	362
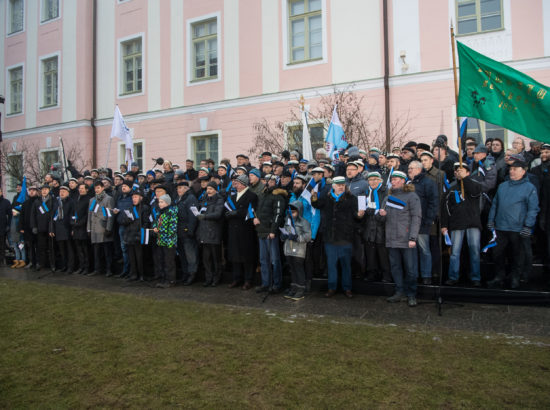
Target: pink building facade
192	77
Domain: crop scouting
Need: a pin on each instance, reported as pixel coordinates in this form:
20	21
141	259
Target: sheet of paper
362	202
194	210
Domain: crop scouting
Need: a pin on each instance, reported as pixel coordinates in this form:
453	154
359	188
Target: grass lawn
65	348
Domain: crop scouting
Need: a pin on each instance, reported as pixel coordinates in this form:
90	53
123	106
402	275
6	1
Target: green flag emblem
501	95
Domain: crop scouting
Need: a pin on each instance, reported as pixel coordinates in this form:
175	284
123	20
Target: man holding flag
336	138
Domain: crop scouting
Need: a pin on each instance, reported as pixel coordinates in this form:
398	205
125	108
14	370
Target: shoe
451	282
290	291
122	275
262	289
274	291
190	279
93	273
29	266
234	284
330	293
207	283
411	301
131	278
247	286
37	268
369	278
78	272
63	270
214	284
109	274
348	294
476	284
162	285
426	281
69	272
299	293
308	286
514	282
15	263
21	264
397	297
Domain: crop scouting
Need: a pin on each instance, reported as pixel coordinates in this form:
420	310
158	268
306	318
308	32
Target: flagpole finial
302	101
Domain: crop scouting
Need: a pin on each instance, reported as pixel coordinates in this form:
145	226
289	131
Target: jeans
338	254
473	236
424	255
270	262
404	269
124	247
20	254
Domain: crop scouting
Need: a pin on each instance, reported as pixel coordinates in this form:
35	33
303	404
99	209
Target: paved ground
518	321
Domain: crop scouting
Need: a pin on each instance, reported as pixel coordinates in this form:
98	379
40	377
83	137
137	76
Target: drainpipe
94	85
386	76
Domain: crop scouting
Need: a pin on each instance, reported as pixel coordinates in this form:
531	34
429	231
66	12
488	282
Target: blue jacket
515	206
310	214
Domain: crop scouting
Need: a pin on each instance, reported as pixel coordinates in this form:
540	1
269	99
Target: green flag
496	93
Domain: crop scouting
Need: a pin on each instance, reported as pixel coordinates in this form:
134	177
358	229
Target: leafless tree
361	126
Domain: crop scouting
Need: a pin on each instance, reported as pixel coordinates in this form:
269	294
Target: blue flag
22	197
336	138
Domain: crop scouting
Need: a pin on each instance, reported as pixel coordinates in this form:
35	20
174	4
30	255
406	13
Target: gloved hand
35	231
293	237
108	233
525	232
230	214
491	225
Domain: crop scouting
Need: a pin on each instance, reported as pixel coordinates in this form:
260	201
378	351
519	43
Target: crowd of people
380	216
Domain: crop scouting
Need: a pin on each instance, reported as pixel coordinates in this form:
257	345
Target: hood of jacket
299	206
406	188
280	191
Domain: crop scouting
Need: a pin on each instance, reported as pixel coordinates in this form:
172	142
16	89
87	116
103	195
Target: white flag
306	140
122	132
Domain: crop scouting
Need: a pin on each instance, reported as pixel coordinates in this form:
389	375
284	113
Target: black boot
514	281
497	282
190	279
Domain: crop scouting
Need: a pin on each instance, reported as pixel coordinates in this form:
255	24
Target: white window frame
59	8
189	48
8	22
44	150
41	82
121	154
120	85
191	146
9	177
287	64
8	91
291	125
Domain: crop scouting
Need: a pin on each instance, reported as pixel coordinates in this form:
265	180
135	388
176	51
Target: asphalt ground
516	322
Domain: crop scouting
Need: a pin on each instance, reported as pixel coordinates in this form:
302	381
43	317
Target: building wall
254	80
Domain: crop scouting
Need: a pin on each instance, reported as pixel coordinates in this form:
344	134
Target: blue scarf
375	195
336	197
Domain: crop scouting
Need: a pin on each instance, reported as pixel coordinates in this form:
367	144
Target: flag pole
456	105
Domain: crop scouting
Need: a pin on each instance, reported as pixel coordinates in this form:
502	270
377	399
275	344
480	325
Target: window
131	66
477	16
16	90
47	159
305	30
205	50
16	15
50	10
15	168
482	130
49	82
316	135
138	154
205	147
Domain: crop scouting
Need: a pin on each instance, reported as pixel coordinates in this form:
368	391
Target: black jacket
374	224
80	217
62	216
187	222
337	217
41	214
210	226
427	191
464	213
242	238
136	218
25	218
5	215
271	211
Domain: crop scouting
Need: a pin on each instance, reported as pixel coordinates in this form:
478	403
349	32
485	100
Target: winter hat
152	173
481	149
353	151
66	188
128	184
255	172
423	146
338	180
398	174
243	179
212	184
428	153
318	169
374	155
166	198
374	175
